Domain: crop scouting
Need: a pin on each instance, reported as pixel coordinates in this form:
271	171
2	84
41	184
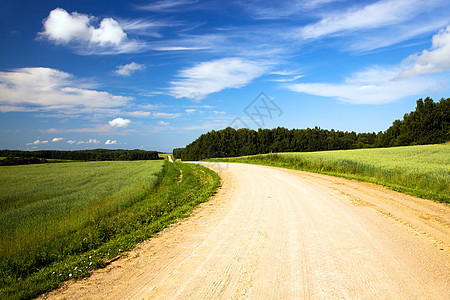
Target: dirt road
280	234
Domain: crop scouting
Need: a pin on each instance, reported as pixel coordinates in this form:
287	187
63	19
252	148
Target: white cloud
111	142
167	5
395	34
282	9
55	140
162	123
375	15
45	89
435	60
127	70
97	129
147	27
377	85
294	78
190	110
373	86
163	115
139	113
81	31
90	141
71	142
120	123
38	142
213	76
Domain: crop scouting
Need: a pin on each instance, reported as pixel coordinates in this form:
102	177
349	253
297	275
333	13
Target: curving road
272	233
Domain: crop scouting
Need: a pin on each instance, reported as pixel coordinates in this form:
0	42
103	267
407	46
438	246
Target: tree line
39	156
428	124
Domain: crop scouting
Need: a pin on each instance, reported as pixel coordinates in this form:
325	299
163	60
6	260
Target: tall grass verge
422	171
95	230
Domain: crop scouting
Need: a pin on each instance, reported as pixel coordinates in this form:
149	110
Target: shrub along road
273	233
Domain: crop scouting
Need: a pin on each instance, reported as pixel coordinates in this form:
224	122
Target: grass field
59	221
422	171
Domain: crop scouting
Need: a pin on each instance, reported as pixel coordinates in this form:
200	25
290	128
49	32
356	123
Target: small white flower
76	268
70	275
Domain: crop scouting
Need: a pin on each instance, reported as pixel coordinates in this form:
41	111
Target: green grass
422	171
164	155
59	221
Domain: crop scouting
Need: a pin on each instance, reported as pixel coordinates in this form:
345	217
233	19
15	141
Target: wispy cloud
163	115
138	113
162	123
128	69
167	5
379	24
96	129
90	141
289	79
377	85
56	140
364	91
375	15
212	76
45	89
38	142
270	10
146	27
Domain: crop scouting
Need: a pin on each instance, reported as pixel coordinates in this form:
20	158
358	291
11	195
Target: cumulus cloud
435	60
55	140
111	142
38	142
162	123
213	76
120	123
45	89
82	30
127	70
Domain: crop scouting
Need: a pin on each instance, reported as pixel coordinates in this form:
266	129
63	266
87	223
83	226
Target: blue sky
155	75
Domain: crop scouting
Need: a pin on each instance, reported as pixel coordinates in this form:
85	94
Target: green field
422	171
59	221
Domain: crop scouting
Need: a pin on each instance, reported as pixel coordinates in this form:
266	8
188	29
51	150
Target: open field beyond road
274	233
422	171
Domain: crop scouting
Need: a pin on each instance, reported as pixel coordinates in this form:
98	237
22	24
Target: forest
14	157
429	123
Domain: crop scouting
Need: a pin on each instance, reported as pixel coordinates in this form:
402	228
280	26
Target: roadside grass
60	221
422	171
164	155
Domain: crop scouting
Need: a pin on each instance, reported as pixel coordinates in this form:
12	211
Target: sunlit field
423	171
55	218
